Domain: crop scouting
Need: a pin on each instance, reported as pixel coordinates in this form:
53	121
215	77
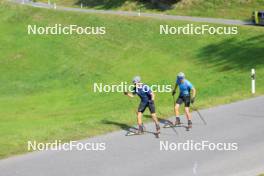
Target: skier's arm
152	96
193	95
129	94
193	92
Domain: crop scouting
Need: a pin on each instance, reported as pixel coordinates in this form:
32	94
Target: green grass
233	9
45	90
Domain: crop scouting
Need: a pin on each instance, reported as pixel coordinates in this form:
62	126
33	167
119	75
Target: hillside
46	80
233	9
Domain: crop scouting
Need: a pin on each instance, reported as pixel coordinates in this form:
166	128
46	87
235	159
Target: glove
192	100
125	93
173	92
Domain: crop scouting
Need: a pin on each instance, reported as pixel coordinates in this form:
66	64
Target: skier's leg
177	113
189	116
156	121
179	101
152	110
141	108
177	110
139	121
187	113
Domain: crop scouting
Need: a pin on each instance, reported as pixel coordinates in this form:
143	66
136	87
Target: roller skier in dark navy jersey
147	101
187	96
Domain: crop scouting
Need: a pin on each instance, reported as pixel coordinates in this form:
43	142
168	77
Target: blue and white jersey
185	87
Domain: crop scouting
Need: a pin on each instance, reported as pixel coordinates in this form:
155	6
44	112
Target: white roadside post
253	81
81	5
23	1
55	6
49	2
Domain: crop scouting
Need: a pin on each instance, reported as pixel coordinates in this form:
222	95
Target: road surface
127	13
240	122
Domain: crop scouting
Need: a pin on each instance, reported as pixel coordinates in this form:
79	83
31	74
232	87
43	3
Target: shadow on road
122	126
127	128
161	120
167	122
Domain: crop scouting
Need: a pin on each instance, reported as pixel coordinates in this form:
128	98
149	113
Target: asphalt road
240	122
127	13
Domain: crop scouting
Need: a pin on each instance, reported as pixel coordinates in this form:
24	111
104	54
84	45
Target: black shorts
184	99
143	105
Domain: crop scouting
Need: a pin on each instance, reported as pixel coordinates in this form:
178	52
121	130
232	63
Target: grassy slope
45	91
233	9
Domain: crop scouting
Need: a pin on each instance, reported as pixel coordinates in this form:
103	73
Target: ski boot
189	124
157	134
140	129
178	121
158	128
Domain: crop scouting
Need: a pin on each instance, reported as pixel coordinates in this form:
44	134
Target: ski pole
199	114
168	122
174	104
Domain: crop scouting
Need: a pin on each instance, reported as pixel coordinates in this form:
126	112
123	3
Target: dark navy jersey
143	92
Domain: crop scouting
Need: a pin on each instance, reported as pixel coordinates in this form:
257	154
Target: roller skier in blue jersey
187	96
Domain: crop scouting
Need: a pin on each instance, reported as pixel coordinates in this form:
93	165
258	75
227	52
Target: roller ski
171	124
157	134
139	131
189	125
